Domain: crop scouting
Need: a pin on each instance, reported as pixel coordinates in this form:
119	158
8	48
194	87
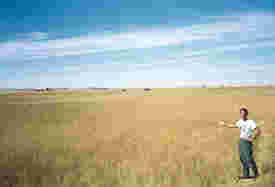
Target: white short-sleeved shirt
246	128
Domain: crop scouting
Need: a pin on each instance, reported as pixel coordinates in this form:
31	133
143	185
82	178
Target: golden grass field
165	138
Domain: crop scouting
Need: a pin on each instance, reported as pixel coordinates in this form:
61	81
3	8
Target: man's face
243	114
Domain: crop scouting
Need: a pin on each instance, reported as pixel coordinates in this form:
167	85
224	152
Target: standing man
249	131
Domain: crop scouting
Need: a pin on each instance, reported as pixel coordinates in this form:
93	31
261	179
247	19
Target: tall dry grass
165	139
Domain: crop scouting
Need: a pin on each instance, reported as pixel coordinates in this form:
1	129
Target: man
249	132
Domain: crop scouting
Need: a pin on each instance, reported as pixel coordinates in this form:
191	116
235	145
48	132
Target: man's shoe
245	177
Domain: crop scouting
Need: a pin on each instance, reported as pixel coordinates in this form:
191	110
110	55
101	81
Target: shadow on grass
36	168
24	169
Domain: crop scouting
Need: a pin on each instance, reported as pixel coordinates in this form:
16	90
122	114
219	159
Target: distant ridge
12	90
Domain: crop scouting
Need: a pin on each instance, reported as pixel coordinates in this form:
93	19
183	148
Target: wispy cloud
38	36
221	30
219	50
33	36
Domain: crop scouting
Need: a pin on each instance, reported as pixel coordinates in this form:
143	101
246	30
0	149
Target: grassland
165	138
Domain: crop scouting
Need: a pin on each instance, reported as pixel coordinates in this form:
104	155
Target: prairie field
164	138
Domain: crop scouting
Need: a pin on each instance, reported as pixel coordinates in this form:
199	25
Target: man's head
244	113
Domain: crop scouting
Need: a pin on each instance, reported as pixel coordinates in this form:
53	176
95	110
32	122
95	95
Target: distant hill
8	90
4	90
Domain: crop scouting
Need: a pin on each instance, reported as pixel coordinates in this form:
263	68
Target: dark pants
246	157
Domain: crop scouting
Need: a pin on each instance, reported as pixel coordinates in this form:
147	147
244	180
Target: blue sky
136	43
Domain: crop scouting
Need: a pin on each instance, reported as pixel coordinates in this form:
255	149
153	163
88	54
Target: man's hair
244	110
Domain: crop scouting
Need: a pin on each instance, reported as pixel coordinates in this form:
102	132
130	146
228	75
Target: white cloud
38	36
241	28
33	36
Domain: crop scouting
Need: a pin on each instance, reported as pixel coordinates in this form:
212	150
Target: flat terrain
167	137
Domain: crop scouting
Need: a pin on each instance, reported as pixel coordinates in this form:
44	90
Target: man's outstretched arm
228	125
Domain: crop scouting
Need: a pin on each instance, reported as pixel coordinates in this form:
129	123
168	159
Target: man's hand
231	126
222	123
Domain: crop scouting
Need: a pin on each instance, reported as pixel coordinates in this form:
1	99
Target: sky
145	43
